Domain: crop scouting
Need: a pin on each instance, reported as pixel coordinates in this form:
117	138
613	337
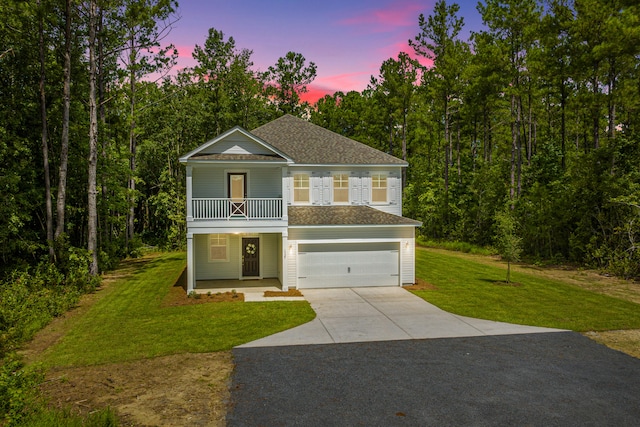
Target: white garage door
348	265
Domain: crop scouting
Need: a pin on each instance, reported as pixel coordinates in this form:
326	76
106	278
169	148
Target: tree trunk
66	106
132	143
519	146
514	147
563	124
447	148
404	147
45	137
595	109
92	226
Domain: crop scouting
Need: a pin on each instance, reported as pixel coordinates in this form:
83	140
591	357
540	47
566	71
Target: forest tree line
535	116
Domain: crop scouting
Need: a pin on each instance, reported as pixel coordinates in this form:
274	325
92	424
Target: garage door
348	265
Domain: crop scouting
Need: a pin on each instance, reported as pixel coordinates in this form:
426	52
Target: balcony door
238	193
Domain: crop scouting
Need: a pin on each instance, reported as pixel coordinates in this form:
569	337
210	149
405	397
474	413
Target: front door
250	257
238	193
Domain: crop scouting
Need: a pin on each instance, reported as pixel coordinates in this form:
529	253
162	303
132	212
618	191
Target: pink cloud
184	51
396	15
394	49
344	82
314	93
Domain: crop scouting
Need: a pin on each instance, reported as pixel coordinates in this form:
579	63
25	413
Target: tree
508	243
395	88
142	33
289	78
44	135
92	202
512	25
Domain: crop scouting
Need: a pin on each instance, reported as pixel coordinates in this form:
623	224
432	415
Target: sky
348	40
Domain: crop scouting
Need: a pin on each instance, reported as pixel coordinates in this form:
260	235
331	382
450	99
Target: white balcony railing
212	209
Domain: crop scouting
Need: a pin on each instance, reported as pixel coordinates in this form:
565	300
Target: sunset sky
347	39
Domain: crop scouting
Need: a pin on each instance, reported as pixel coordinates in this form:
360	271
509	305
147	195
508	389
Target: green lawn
127	323
469	288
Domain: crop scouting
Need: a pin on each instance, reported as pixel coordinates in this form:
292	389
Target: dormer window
301	188
379	188
341	188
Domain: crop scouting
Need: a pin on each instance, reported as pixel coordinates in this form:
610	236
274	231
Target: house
294	201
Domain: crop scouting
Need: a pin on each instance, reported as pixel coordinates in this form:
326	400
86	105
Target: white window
301	188
341	188
218	248
379	188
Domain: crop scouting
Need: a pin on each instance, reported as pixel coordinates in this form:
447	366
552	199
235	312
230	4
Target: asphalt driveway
557	379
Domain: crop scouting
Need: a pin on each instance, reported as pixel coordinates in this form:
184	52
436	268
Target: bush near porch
130	321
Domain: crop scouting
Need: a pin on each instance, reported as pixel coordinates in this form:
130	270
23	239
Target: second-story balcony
233	209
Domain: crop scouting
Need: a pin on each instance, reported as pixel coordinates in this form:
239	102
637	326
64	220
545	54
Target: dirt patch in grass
185	389
505	283
626	341
289	293
421	285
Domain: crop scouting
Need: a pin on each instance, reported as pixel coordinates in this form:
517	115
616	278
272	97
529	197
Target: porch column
189	193
285	194
285	262
190	264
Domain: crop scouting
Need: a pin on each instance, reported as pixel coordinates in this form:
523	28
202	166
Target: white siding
351	233
236	143
408	260
208	182
321	186
211	182
264	183
392	209
270	255
292	266
206	270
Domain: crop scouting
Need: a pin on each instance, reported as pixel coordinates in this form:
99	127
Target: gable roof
310	144
344	215
267	152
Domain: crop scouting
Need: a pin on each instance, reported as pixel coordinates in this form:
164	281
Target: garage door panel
348	265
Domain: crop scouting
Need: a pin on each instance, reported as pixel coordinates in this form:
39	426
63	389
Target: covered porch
224	259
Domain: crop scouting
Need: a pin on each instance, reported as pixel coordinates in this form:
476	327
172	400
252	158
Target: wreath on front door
250	249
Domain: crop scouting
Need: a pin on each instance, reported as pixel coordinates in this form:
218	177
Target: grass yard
129	323
472	286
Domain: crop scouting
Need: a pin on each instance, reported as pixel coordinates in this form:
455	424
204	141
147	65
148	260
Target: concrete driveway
350	315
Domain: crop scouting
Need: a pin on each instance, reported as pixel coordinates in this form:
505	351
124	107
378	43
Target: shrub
31	298
18	391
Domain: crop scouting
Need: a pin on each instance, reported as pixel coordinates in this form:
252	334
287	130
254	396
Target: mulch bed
289	293
421	285
177	297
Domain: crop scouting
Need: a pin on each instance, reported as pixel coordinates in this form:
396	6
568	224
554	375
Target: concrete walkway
382	314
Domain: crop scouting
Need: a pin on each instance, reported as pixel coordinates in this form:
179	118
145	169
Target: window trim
346	188
226	246
380	177
301	202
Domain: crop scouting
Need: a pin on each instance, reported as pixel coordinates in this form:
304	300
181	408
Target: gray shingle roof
307	143
344	215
